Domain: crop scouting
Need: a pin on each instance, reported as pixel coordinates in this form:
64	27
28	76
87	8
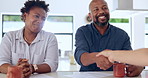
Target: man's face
99	12
34	19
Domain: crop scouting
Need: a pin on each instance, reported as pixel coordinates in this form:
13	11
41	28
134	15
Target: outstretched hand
106	53
102	61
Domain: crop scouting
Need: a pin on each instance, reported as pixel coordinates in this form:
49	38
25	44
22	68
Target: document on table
90	75
40	76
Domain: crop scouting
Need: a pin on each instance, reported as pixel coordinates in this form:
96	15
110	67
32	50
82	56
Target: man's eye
96	9
105	7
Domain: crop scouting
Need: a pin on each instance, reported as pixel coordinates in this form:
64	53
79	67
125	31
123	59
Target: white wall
140	4
138	27
11	5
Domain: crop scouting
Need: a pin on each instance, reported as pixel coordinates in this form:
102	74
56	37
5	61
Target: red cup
119	69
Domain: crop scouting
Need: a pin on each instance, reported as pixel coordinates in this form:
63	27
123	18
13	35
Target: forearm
121	56
136	57
4	68
140	57
43	68
88	58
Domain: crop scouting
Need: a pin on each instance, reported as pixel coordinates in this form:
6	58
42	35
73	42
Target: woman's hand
26	67
106	53
14	72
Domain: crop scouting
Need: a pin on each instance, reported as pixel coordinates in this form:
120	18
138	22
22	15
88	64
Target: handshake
22	70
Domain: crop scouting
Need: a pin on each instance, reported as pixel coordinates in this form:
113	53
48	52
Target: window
11	23
146	32
60	25
123	23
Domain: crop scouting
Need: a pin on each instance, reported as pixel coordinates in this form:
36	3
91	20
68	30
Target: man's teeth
102	17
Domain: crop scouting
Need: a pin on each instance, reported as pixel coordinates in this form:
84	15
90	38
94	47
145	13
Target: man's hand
133	71
103	62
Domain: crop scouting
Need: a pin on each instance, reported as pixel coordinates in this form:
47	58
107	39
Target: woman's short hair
33	3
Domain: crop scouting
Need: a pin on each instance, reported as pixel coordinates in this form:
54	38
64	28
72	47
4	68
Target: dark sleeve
127	43
81	45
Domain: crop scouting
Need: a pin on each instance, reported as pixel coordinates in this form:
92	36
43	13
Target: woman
32	43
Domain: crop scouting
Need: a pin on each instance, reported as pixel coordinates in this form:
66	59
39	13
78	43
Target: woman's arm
51	58
41	68
4	68
136	57
5	53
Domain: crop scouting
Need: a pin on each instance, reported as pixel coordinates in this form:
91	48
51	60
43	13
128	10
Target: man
39	48
98	36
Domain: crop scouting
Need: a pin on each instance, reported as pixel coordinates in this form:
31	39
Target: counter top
71	74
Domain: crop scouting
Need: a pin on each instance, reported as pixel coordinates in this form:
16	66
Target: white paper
40	76
90	75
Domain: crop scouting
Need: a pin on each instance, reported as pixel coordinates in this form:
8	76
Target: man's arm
82	55
90	58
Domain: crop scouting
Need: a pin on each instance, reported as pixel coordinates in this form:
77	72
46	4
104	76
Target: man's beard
99	23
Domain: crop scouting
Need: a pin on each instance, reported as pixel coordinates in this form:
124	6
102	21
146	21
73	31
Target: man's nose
101	11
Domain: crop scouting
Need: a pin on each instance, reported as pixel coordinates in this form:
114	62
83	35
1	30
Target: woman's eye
36	16
44	19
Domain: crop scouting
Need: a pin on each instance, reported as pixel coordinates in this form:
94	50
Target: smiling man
98	36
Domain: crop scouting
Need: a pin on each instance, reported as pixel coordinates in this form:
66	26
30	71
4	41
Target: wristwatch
35	67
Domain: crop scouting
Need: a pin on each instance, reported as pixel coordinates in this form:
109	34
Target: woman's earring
24	19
